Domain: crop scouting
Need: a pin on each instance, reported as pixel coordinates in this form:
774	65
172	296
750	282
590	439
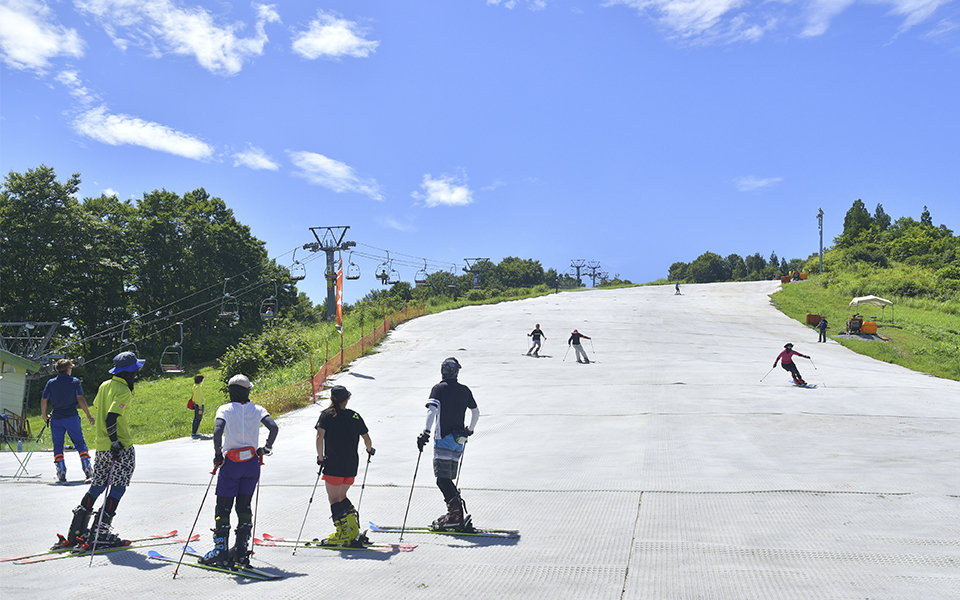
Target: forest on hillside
119	274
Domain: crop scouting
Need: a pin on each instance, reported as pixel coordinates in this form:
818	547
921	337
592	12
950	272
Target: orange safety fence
294	395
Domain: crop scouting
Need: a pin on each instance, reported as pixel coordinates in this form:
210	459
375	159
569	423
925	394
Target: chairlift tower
594	267
330	241
29	340
473	267
577	264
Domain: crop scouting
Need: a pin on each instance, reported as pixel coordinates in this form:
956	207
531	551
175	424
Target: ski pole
364	484
817	370
309	503
406	512
456	484
593	350
23	466
768	372
192	527
566	353
103	509
256	505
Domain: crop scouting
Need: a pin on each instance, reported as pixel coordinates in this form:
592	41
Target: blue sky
631	132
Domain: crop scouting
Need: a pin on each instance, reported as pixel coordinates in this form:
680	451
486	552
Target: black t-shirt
342	433
536	333
575	338
453	399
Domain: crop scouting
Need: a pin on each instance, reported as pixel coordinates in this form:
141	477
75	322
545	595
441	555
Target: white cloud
511	4
118	130
29	38
328	35
71	80
255	158
333	174
391	223
750	183
444	191
110	192
163	26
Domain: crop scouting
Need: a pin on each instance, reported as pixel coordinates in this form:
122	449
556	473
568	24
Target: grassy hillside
924	334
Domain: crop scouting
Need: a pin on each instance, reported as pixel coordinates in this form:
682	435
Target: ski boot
61	471
241	545
220	555
351	527
340	536
78	532
87	469
455	519
105	536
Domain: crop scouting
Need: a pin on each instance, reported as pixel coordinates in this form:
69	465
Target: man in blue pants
64	394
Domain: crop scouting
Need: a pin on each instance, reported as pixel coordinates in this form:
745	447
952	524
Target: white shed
13	380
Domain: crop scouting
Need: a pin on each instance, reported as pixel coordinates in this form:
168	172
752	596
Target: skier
339	430
536	334
64	393
677	286
785	359
822	327
115	459
447	406
196	404
236	433
575	341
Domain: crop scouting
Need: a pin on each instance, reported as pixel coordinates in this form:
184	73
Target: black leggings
448	488
792	368
225	504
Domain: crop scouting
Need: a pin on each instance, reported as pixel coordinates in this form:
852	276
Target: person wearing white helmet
236	436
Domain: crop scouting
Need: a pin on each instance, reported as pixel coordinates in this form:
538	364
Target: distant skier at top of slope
785	358
536	334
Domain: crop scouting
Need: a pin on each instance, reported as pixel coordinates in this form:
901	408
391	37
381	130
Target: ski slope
665	469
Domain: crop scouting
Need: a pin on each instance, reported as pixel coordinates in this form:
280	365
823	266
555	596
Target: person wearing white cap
236	435
115	459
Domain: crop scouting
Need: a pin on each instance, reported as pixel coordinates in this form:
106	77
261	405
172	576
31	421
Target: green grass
924	335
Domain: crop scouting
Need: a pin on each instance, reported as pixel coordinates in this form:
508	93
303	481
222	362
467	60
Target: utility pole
593	266
820	220
330	240
577	264
473	266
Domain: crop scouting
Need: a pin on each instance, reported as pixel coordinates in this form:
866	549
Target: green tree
518	272
856	223
881	219
677	271
707	268
756	265
736	266
925	218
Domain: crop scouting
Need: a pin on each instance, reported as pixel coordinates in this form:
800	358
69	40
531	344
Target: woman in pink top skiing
785	359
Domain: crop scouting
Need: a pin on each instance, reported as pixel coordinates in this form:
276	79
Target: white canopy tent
874	301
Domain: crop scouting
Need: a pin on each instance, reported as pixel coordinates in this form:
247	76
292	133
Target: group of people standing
237	456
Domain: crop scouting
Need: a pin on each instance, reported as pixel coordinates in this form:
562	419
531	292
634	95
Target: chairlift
393	277
270	306
229	306
298	272
421	277
385	271
353	270
126	344
171	359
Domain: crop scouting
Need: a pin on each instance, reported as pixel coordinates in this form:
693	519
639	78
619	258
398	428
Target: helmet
449	368
788	346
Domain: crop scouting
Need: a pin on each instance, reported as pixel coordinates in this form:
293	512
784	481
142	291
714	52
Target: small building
13	380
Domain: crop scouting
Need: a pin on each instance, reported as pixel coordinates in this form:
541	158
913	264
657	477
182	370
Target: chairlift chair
126	344
229	306
270	306
353	270
298	272
421	277
171	359
385	270
393	277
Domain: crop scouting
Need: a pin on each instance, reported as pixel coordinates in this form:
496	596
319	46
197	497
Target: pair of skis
62	551
494	533
240	570
275	541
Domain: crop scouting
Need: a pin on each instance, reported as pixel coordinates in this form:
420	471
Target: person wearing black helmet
236	435
446	409
785	359
536	334
339	430
115	459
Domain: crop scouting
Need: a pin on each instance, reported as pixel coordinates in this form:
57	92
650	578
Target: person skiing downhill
575	341
65	393
785	359
536	334
115	459
236	432
446	409
339	430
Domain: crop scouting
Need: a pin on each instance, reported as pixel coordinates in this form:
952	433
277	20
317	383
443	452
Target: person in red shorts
339	430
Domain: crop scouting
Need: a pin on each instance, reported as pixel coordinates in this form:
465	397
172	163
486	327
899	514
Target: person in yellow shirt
115	459
196	404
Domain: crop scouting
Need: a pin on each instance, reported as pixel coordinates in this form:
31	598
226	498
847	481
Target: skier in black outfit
575	341
447	406
536	334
